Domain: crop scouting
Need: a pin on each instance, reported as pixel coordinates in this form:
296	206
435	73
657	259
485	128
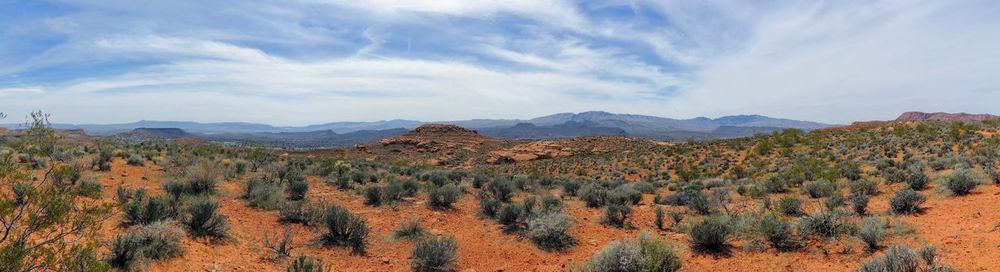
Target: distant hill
156	133
561	125
943	116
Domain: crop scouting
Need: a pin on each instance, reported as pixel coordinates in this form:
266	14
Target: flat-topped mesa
944	116
442	130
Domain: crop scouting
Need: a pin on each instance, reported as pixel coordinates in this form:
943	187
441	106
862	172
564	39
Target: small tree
38	216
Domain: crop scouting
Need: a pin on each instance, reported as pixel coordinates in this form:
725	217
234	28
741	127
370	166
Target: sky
297	62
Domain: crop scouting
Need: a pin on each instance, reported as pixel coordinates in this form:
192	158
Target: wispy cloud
306	61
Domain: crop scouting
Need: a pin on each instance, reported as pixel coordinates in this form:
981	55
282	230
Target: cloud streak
310	61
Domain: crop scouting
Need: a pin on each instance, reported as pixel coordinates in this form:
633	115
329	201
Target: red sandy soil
964	229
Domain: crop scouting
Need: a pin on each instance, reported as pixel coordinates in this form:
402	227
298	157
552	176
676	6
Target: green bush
261	194
143	209
960	182
826	224
373	195
594	195
307	264
297	189
820	188
570	187
135	160
642	254
345	229
203	178
512	215
859	202
617	215
157	241
710	235
434	254
443	197
409	229
872	232
790	206
900	258
906	201
302	212
489	207
500	189
549	231
863	187
777	232
917	180
204	219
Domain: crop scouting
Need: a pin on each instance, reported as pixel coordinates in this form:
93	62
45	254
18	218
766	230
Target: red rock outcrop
944	116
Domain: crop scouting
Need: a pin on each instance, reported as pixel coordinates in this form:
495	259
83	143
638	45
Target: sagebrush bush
500	189
302	212
617	215
777	232
512	215
144	209
444	196
203	219
307	264
434	254
902	258
570	187
345	229
710	235
489	207
960	182
262	194
297	189
642	254
826	224
595	196
790	206
917	180
549	231
819	188
863	187
409	229
906	201
203	177
859	202
157	241
872	232
373	195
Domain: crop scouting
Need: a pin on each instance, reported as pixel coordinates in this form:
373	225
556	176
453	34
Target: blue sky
295	62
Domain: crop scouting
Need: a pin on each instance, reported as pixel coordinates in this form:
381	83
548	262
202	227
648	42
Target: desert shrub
90	187
698	202
893	175
617	215
410	187
960	182
642	254
144	209
65	175
434	254
345	229
819	188
863	187
550	204
203	219
157	241
203	178
373	195
307	264
826	224
297	189
262	194
489	207
994	175
710	235
511	215
906	201
917	180
135	160
549	231
777	232
500	189
570	187
790	206
443	197
280	246
595	196
900	258
658	220
872	232
122	194
302	212
624	195
409	229
859	202
835	201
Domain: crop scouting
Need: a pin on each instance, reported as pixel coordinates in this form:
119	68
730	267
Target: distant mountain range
944	116
562	125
